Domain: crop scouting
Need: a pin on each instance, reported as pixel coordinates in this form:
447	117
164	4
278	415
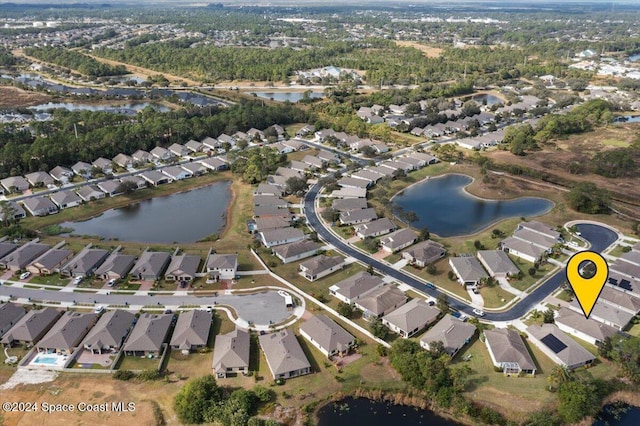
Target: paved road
261	308
599	237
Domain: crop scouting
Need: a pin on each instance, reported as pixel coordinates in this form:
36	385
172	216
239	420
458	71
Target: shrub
124	375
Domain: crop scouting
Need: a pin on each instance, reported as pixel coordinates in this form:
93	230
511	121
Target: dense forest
76	61
106	134
6	58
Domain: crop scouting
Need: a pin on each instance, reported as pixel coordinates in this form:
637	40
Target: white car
99	310
25	275
478	312
111	282
77	280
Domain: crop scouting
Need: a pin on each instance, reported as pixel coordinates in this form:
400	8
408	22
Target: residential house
148	335
10	314
452	332
176	173
6	248
354	217
562	349
222	266
40	206
375	228
298	166
531	240
427	158
137	181
577	325
606	314
15	184
273	222
398	240
115	267
50	262
348	204
123	160
226	139
155	178
111	187
31	327
141	157
182	268
23	256
353	288
306	130
271	211
410	318
210	144
321	266
296	251
150	265
415	162
109	333
179	150
269	200
15	211
231	353
82	169
161	154
276	237
349	193
191	331
196	169
67	333
349	182
381	170
424	253
289	173
90	193
314	162
103	164
266	189
66	199
194	146
509	352
61	174
215	164
255	135
282	148
328	157
497	263
380	301
326	335
468	270
39	179
611	296
284	355
85	263
367	175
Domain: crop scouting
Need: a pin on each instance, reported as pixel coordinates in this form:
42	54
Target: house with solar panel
562	349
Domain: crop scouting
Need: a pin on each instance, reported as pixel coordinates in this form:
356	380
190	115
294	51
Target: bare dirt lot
12	97
428	51
555	157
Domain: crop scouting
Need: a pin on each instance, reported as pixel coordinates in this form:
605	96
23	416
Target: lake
446	209
350	411
480	99
292	97
627	119
73	106
628	418
182	218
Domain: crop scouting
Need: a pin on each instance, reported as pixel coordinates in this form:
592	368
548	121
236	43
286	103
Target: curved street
598	236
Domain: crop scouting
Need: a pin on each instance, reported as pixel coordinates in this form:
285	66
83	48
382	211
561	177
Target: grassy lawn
515	395
565	295
361	246
345	232
53	279
617	251
527	281
495	296
137	363
634	330
128	286
440	278
393	258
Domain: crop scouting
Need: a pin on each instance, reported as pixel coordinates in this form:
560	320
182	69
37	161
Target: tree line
75	60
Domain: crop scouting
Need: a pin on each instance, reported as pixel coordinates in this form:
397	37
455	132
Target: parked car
431	286
25	275
99	310
111	282
478	312
77	280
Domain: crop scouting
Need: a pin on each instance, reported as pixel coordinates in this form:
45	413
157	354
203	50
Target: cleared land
428	51
12	97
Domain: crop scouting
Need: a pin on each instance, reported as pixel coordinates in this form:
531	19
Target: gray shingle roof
281	234
327	333
497	262
354	216
110	330
116	263
283	352
222	261
590	327
65	197
149	333
192	328
231	350
297	248
24	255
452	332
85	262
507	346
52	259
357	285
67	333
426	251
382	299
398	238
347	204
88	191
319	264
415	314
31	326
10	313
469	268
184	264
572	354
151	263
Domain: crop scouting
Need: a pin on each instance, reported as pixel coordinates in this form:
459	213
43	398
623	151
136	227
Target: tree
195	399
330	215
586	197
424	234
577	400
378	329
242	144
127	187
431	269
345	309
559	375
532	271
626	353
7	212
370	244
295	185
442	302
548	316
478	245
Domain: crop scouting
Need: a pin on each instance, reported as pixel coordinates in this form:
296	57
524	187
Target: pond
350	411
634	58
611	415
627	119
446	209
182	218
73	106
292	97
480	99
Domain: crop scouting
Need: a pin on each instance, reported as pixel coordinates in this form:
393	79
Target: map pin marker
587	290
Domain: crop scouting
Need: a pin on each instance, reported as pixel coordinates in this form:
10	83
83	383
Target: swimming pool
49	360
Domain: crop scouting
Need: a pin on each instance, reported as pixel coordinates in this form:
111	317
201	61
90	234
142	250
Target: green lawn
53	279
527	280
360	245
440	278
617	251
634	330
345	232
393	258
495	296
137	363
